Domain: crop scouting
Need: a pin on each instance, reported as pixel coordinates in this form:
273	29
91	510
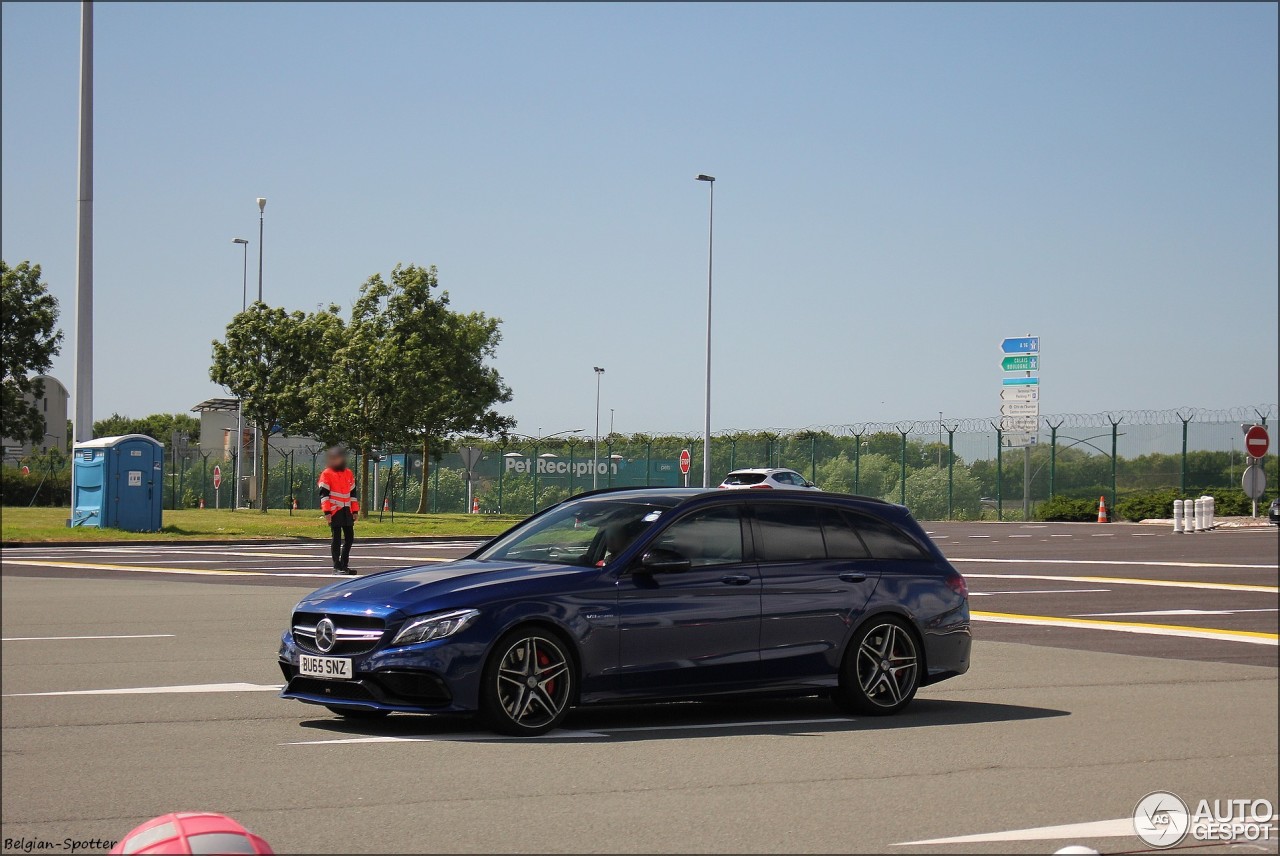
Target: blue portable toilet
117	483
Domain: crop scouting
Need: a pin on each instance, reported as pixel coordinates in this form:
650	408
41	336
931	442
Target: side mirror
659	561
809	484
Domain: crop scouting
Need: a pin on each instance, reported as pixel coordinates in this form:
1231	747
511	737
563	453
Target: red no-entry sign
1256	441
685	458
217	477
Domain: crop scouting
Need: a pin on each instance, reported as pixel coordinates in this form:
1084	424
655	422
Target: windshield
744	478
579	533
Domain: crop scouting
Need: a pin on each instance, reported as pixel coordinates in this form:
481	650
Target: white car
762	478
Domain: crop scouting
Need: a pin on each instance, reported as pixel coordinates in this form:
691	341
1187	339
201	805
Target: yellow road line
194	572
1132	581
1250	636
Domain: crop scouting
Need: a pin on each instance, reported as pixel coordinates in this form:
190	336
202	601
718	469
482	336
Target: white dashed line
70	638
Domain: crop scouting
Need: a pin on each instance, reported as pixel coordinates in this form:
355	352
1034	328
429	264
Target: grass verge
50	524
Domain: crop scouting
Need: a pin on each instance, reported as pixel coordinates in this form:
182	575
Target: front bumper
434	677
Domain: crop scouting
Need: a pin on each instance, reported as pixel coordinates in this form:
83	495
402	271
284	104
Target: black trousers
343	527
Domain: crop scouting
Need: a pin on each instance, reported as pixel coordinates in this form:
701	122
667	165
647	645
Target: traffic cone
295	503
202	502
386	503
1102	510
475	505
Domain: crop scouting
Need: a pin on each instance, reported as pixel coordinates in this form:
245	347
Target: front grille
356	634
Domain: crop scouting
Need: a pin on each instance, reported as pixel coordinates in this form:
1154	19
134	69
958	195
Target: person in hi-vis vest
338	502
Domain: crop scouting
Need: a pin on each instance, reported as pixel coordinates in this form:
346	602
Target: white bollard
1210	504
1177	517
1189	516
1200	514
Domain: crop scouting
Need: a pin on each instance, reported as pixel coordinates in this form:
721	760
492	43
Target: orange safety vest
338	490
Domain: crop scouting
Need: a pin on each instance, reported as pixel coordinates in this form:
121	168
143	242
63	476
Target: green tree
161	426
439	368
927	494
357	402
272	359
29	340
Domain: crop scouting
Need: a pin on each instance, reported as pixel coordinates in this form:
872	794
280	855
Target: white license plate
335	668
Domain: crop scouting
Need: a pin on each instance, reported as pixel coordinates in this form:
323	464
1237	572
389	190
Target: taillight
761	487
957	584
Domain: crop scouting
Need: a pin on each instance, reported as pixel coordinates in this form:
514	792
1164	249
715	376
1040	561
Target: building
218	431
53	406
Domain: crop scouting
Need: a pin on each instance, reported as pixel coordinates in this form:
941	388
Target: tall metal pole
244	304
595	453
1026	483
84	236
706	423
261	209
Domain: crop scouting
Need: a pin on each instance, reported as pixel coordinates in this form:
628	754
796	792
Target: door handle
736	580
853	577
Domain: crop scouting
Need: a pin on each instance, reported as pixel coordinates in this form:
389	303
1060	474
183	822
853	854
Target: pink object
191	832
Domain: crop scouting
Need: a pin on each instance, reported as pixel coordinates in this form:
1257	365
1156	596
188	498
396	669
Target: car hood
410	591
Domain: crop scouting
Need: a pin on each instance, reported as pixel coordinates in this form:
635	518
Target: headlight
435	626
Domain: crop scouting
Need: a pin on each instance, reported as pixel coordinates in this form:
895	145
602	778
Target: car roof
674	496
765	470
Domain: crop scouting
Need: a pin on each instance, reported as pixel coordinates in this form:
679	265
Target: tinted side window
842	541
884	540
789	533
710	537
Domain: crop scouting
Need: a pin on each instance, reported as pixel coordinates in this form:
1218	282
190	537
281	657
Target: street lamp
706	426
262	207
595	453
244	304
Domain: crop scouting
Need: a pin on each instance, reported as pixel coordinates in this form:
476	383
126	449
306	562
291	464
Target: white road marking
602	732
62	638
1249	636
1020	536
1118	828
1113	564
1121	827
1035	591
1103	535
188	688
979	536
1132	581
1172	612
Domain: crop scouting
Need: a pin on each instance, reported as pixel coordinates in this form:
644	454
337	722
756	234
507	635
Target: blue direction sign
1021	381
1022	345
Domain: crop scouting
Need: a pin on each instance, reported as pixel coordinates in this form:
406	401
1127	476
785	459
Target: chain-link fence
941	469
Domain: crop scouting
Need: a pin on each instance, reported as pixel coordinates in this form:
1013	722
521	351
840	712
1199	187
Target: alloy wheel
886	665
533	682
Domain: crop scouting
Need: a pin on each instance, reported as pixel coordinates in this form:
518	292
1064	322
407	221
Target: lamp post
244	304
262	207
595	452
706	425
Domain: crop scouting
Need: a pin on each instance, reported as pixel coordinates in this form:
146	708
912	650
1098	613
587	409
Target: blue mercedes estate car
630	595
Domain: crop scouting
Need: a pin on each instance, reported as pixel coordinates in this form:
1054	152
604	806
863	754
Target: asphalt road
1110	661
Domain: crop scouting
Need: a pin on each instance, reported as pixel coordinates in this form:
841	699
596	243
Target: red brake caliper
543	662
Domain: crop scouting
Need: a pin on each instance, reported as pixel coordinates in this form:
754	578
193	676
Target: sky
899	187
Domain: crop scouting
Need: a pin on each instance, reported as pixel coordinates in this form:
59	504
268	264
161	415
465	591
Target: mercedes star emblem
326	635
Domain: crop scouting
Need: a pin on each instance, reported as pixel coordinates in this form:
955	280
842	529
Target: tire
528	683
881	669
358	713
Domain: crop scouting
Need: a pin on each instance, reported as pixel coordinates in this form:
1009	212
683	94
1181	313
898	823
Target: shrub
1147	504
1065	509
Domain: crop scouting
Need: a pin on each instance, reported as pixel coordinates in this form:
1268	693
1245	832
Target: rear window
744	478
789	533
884	540
842	541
